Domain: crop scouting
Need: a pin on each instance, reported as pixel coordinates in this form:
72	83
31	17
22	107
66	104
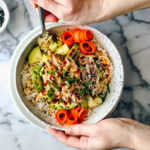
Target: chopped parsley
56	86
51	72
85	90
81	67
87	84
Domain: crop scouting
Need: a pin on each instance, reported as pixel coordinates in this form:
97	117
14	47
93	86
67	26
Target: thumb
80	129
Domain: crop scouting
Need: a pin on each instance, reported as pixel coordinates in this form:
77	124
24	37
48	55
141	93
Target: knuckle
70	10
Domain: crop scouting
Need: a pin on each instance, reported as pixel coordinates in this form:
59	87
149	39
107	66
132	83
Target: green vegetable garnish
73	51
87	84
62	105
84	91
50	94
37	80
103	98
56	86
84	104
76	80
68	83
99	71
63	50
62	57
51	72
64	72
69	79
108	88
53	46
81	67
35	56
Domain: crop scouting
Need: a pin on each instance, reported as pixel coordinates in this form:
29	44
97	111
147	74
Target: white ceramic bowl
22	52
6	17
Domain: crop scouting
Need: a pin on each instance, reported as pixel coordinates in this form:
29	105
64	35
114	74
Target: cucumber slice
50	95
63	50
61	105
84	104
37	80
94	102
35	56
53	46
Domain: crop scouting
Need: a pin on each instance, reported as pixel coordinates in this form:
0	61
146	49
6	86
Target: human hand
107	134
90	11
48	16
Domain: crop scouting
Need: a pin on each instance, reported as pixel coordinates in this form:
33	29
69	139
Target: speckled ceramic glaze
19	57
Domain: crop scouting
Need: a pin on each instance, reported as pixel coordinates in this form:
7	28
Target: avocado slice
35	56
62	105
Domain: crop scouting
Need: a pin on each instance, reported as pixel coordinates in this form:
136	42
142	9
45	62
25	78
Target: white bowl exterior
98	113
6	11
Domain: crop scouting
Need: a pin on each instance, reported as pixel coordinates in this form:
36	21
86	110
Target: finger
80	129
67	140
49	17
33	4
50	5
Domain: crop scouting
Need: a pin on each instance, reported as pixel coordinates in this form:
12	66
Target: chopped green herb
64	72
76	80
84	91
68	83
87	84
108	88
103	98
81	67
51	72
69	79
56	86
62	57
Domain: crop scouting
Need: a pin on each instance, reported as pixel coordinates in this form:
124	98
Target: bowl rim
7	15
27	114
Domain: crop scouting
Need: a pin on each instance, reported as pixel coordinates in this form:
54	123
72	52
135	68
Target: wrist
135	136
127	139
142	137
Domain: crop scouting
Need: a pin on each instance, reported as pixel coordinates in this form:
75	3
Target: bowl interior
115	85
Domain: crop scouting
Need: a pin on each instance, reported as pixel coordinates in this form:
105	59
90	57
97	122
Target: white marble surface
130	33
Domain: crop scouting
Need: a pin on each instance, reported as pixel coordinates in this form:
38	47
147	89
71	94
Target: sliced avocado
37	80
53	46
63	50
92	103
50	94
84	104
35	55
62	105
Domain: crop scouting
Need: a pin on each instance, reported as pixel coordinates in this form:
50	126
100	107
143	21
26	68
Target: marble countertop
131	35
